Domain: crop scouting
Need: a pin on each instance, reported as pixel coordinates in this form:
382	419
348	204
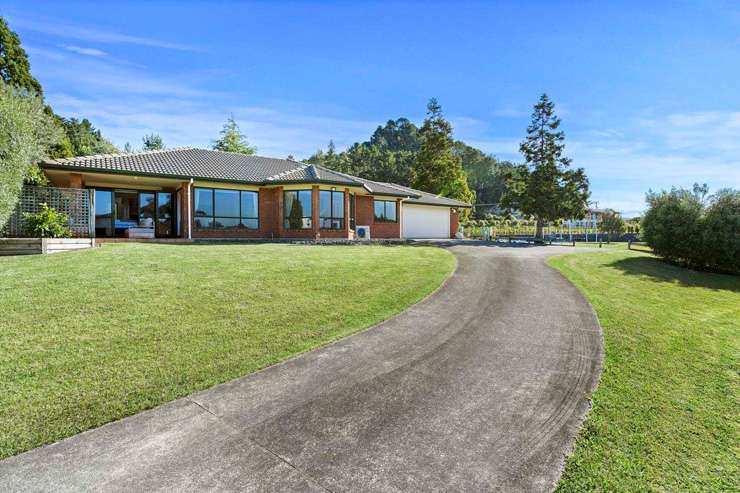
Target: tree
152	142
26	134
295	216
15	69
127	148
437	169
721	232
544	187
84	139
612	223
672	224
232	140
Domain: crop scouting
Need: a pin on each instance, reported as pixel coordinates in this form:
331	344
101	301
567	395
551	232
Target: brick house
193	193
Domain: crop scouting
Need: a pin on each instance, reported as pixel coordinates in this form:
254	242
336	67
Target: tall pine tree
545	187
14	67
437	168
232	139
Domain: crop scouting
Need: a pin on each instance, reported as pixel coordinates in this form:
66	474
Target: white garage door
425	221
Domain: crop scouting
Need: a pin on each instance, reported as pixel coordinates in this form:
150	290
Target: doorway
118	210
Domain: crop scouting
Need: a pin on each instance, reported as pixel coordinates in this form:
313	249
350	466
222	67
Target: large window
217	208
385	211
331	209
297	209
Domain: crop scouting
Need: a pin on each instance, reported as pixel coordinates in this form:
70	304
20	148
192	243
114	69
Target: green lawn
666	414
91	336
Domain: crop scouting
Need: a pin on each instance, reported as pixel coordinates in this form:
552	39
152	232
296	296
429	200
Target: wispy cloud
83	33
84	51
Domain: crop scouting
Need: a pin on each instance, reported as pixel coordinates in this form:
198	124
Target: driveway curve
480	387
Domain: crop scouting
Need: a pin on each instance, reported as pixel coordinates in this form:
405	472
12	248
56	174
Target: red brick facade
365	216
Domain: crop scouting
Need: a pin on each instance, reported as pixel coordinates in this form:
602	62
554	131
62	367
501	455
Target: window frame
213	216
286	212
332	217
385	202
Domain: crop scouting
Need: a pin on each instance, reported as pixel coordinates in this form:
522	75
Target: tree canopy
544	187
26	133
233	140
15	69
152	142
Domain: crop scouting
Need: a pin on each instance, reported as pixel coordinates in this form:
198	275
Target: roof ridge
288	172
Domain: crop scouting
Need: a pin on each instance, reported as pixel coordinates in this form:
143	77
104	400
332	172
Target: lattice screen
73	202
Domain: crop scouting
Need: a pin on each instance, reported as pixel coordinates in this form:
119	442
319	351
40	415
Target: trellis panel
73	202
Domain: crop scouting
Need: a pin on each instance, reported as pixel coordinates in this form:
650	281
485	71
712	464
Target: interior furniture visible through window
385	211
297	209
217	208
331	209
132	213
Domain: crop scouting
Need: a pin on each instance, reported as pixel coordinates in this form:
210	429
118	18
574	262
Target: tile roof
188	162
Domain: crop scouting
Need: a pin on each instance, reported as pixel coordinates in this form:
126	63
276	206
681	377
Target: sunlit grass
91	336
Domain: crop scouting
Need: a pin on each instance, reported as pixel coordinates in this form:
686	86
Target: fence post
91	213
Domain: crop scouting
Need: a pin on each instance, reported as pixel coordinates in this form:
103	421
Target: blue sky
648	91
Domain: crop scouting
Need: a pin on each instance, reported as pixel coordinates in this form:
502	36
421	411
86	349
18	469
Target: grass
666	414
92	336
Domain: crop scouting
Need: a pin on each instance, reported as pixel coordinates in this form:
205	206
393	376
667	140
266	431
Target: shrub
721	232
47	223
612	223
26	131
682	228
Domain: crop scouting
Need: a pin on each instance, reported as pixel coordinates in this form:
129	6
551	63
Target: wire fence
74	203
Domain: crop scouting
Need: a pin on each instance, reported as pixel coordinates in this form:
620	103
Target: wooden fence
72	202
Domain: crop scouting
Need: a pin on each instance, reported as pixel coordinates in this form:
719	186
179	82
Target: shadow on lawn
660	271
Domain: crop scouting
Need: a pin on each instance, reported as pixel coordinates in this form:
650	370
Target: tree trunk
540	230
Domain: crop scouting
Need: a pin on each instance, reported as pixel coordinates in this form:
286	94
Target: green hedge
683	227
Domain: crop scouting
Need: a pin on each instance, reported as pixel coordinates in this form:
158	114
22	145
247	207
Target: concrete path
481	387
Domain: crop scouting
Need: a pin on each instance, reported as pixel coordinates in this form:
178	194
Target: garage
425	221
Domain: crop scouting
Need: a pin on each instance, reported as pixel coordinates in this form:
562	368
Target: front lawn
92	336
666	414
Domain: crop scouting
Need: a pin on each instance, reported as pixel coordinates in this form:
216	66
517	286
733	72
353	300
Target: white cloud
84	51
83	33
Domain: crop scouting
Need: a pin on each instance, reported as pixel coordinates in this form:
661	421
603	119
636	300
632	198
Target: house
199	194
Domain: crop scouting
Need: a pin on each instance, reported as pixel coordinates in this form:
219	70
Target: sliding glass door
119	211
103	213
165	216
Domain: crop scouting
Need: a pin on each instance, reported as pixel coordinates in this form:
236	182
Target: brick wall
366	217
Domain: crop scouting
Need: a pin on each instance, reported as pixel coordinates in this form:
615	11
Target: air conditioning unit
362	232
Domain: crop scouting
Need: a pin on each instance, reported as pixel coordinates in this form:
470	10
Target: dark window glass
385	211
227	203
250	223
297	209
250	205
379	210
203	222
225	222
103	213
220	209
146	210
390	211
331	210
203	202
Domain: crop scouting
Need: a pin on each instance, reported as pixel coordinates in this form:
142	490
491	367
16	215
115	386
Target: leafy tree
672	224
437	169
14	67
128	148
397	135
26	134
84	139
545	187
152	142
232	140
612	223
295	216
486	176
721	232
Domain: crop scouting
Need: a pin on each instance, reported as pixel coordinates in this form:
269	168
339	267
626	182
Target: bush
47	223
26	131
680	227
721	232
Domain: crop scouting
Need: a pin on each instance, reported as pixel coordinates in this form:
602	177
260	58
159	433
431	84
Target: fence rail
72	202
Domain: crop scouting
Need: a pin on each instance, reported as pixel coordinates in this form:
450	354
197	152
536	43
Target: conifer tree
232	139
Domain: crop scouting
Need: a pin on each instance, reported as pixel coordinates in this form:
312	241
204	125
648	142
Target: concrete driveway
480	387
